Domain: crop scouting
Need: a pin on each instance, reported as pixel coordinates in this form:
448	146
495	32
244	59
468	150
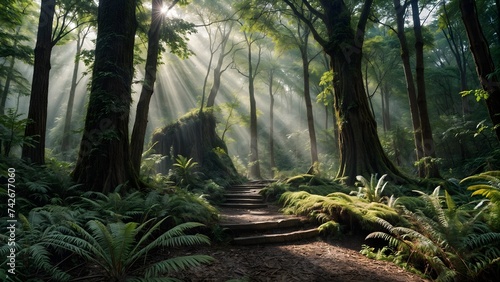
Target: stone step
276	238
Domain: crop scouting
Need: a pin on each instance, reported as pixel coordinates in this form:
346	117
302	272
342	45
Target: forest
123	125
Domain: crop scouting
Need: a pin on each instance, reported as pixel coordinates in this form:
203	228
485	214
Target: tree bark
104	156
484	63
361	152
428	145
37	114
141	116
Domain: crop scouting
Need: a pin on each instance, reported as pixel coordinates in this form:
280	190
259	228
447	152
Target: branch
301	16
365	12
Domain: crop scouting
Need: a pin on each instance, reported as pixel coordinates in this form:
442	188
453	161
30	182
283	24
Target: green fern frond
176	264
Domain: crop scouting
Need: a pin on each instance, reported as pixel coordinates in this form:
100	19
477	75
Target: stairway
251	221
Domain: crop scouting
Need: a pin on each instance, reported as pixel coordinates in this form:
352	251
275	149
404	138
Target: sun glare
164	9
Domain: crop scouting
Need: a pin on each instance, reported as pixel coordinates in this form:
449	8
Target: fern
34	260
119	248
449	241
113	206
184	171
487	184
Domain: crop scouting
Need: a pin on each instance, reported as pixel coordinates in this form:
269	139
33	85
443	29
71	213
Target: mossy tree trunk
104	156
361	152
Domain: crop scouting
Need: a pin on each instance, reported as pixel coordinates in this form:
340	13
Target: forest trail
304	259
251	221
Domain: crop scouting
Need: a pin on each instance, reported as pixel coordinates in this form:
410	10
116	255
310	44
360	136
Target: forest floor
308	260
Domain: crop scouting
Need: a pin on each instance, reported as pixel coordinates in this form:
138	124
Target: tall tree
428	145
66	137
483	60
47	38
361	152
219	69
141	116
173	32
37	114
104	157
251	39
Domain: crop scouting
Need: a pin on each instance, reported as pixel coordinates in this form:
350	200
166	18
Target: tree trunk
307	98
104	156
69	109
483	60
37	114
6	87
218	69
254	163
141	116
386	109
361	152
272	161
410	85
429	147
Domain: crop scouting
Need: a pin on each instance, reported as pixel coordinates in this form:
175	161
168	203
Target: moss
352	212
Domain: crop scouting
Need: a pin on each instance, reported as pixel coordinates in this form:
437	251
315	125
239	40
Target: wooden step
276	238
244	200
244	205
243	195
265	225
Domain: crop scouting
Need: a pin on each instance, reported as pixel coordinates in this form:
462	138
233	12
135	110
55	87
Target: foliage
12	131
349	211
448	244
479	94
114	207
487	184
35	261
273	191
38	186
371	190
148	168
175	33
184	173
120	249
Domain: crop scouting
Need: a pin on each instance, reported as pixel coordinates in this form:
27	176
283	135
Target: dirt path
310	260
